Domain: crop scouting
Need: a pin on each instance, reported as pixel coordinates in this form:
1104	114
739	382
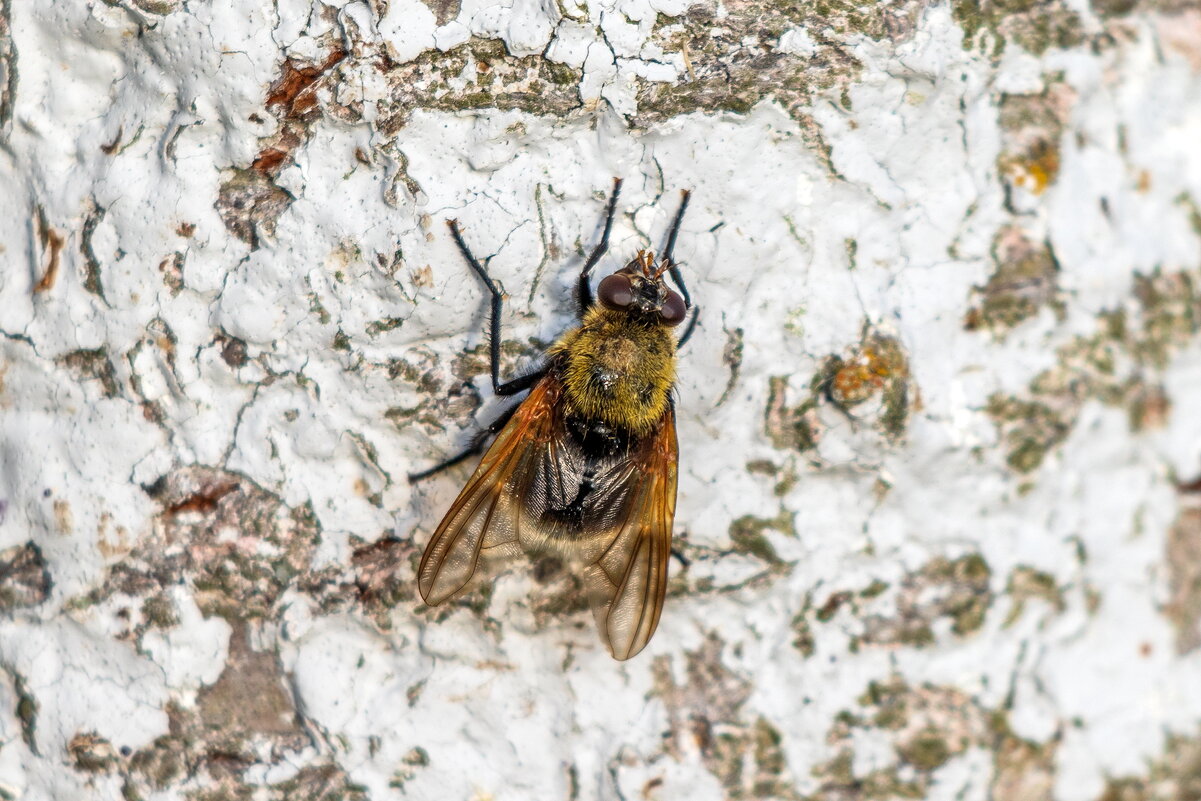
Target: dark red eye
673	310
615	291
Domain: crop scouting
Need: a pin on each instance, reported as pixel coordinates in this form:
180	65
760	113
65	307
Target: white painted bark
307	359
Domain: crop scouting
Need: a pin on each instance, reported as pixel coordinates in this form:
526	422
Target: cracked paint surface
937	526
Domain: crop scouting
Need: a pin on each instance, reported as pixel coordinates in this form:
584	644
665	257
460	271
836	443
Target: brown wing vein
628	579
461	536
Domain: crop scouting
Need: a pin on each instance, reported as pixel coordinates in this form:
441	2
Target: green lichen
1174	776
532	84
748	534
1116	365
891	700
1030	429
1034	25
926	751
414	759
1186	201
928	726
958	589
92	753
1025	281
970	596
704	712
377	327
873	590
733	62
27	713
1027	583
321	782
804	640
788	427
159	612
876	369
161	7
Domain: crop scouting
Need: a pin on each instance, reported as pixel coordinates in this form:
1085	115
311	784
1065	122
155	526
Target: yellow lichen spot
861	377
1035	170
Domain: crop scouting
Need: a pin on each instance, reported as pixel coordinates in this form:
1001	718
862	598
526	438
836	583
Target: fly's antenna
646	261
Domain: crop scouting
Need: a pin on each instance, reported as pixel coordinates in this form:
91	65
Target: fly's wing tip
426	590
435	592
629	651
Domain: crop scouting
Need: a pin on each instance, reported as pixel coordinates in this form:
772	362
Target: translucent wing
628	581
483	525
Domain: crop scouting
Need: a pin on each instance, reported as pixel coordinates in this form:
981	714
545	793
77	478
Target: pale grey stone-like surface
939	433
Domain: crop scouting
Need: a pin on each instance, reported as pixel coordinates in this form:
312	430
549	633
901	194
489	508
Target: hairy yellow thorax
616	369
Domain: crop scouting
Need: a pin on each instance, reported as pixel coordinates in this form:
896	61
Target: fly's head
639	289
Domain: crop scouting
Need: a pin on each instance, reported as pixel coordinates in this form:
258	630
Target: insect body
584	469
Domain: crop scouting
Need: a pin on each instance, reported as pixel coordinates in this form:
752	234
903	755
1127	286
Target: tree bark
938	528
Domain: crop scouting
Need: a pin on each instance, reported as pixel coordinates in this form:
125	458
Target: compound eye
615	291
673	310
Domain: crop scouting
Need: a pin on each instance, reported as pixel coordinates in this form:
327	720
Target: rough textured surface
940	450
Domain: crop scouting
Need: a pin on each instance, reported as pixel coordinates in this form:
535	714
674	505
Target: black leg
684	337
477	445
584	289
671	246
517	384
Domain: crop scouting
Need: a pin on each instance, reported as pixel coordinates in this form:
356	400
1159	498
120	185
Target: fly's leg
674	268
498	298
583	294
684	337
477	445
506	388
